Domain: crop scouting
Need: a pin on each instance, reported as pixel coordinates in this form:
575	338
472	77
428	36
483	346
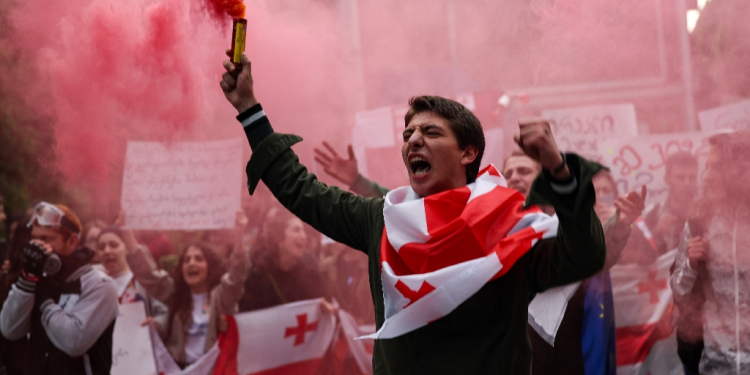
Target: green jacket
487	333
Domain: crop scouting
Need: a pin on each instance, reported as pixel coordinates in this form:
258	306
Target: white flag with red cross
289	339
438	251
646	343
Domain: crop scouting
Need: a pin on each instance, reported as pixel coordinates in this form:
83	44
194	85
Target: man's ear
73	241
469	155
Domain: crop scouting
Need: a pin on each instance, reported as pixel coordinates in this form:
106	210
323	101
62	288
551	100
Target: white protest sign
640	160
729	117
182	185
582	129
132	353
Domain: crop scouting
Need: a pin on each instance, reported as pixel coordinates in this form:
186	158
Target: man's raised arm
338	214
579	249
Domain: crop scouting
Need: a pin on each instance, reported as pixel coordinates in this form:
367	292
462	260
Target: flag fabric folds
438	251
166	365
282	340
643	308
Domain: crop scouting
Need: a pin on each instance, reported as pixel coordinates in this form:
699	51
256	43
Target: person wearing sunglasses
66	307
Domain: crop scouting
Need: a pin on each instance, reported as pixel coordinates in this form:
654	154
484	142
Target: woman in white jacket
713	256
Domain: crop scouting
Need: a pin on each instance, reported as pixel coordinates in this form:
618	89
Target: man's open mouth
419	166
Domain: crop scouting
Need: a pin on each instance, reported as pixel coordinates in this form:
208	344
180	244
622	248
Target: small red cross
300	330
652	287
412	295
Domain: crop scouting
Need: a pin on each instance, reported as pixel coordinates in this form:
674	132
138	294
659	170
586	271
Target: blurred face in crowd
91	237
432	156
520	171
195	270
606	193
683	182
52	236
111	252
295	240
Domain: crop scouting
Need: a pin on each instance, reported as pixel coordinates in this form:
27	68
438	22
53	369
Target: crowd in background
187	290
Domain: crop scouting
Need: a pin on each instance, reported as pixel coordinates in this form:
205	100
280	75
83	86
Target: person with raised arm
456	256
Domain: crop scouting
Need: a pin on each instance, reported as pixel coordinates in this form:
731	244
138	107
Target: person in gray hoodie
68	311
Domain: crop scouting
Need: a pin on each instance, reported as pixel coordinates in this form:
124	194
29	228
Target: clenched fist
536	140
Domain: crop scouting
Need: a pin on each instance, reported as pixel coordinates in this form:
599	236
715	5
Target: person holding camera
66	307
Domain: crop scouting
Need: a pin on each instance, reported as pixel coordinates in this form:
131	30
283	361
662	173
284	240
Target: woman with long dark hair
285	270
200	290
712	266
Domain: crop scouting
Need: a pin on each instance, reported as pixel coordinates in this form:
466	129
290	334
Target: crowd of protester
188	292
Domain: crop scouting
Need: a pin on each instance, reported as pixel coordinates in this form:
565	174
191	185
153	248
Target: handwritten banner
582	129
729	117
185	185
640	160
132	353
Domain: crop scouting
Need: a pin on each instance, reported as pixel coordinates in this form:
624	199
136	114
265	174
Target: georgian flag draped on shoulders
438	251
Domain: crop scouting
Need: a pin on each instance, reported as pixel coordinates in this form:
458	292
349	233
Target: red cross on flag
289	339
438	251
643	310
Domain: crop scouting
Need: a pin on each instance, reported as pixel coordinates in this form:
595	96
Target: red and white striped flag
646	343
438	251
289	339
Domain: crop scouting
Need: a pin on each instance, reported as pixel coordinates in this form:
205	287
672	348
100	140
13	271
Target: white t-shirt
125	287
197	331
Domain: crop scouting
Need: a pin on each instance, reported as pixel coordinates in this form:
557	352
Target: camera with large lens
37	262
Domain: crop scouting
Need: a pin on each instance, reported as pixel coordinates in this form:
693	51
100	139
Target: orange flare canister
239	30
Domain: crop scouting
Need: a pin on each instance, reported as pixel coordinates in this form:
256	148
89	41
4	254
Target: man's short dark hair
463	124
679	159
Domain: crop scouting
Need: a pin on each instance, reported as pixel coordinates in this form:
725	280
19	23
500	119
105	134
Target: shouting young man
454	258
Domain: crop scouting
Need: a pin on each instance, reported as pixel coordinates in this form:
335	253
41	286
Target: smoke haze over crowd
106	71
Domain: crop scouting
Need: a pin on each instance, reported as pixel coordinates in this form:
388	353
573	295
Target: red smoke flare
219	9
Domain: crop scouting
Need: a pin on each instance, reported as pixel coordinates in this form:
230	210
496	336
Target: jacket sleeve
15	317
75	329
367	188
160	313
230	289
683	277
340	215
157	282
579	250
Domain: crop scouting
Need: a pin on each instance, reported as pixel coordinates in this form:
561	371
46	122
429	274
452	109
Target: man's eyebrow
424	127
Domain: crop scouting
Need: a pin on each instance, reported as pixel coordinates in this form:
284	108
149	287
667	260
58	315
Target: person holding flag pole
456	256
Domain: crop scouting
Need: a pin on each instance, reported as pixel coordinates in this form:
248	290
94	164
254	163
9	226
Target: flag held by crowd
643	310
283	340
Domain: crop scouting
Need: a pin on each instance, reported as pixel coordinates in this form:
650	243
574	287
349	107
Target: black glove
34	257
